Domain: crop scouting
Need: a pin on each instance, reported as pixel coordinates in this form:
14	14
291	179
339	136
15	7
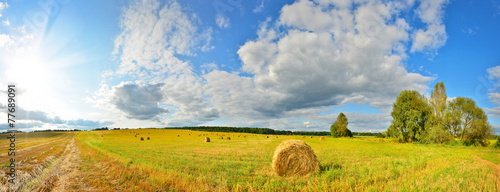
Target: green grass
244	164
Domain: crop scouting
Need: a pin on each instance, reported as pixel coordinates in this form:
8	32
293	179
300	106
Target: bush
439	135
497	144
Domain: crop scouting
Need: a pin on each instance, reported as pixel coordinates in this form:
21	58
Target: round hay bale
276	137
267	136
294	157
142	138
311	137
178	135
206	140
303	137
135	135
147	138
322	138
228	138
221	137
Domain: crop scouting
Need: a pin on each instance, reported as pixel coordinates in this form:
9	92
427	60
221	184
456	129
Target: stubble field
179	160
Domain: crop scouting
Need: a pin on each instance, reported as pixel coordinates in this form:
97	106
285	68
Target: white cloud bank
315	55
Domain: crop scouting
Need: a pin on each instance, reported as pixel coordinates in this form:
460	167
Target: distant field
116	160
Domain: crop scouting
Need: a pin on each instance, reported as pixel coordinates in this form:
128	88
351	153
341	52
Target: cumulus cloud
138	101
152	38
431	12
315	54
152	34
326	56
222	21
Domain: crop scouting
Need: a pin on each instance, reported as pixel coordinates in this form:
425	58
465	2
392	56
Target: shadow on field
329	166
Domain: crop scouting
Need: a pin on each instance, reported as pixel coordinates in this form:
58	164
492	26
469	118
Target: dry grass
294	157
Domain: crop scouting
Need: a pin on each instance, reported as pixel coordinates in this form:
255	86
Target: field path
496	167
66	176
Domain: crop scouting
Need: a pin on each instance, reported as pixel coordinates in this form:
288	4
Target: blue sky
288	65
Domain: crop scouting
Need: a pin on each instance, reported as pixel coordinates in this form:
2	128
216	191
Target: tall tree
438	103
410	114
474	125
339	128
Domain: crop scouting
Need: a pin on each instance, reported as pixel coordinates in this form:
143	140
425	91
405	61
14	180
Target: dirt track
64	175
496	167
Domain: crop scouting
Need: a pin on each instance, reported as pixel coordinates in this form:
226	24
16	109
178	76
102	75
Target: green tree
473	125
465	110
392	132
453	121
410	114
339	128
479	132
438	103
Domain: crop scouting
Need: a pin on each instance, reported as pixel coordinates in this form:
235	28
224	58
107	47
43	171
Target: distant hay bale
294	157
303	137
276	137
147	138
311	137
228	138
267	136
135	135
178	135
220	137
142	138
206	140
322	138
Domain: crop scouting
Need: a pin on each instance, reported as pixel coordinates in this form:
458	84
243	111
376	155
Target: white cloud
152	35
326	56
222	21
431	12
494	97
493	75
6	23
432	38
5	40
469	31
494	72
259	7
493	112
2	7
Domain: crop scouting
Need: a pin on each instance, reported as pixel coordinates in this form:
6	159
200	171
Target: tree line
251	130
437	120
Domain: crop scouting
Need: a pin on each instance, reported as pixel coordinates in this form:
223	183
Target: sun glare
32	76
